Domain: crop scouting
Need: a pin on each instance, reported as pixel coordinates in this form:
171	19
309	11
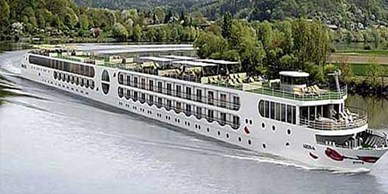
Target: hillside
350	14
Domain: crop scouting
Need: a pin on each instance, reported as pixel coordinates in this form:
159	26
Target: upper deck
170	67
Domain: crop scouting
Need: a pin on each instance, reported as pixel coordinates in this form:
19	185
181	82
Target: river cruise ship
284	117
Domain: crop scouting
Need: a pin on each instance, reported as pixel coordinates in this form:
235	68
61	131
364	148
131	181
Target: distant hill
352	14
139	4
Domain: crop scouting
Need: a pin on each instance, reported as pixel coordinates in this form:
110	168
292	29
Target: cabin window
142	99
105	76
236	102
142	83
121	78
151	85
272	110
283	113
210	97
289	114
210	114
169	88
178	107
199	95
135	96
169	104
188	93
160	102
178	91
199	112
188	109
160	87
236	121
135	82
277	111
128	80
266	110
151	100
105	87
223	118
121	92
223	100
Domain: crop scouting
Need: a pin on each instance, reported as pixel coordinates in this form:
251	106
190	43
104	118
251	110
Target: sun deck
237	81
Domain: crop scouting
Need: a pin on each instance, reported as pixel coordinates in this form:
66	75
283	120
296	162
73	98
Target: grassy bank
363	52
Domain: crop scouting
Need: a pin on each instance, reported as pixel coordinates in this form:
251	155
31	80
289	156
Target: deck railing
357	118
323	94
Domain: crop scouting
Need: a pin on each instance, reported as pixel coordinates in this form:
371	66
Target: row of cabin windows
74	80
182	92
78	69
188	109
277	111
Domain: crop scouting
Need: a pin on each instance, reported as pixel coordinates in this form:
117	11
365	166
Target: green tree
227	25
119	32
252	54
209	44
374	71
137	33
4	13
265	34
84	22
288	43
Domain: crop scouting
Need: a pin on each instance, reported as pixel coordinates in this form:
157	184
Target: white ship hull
263	135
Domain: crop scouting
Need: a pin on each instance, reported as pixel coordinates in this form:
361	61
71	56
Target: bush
368	47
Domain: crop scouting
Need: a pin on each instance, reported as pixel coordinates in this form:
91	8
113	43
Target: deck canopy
289	80
156	59
219	62
194	64
293	74
184	58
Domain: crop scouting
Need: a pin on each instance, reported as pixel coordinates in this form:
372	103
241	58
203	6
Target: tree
376	38
119	32
209	44
168	17
84	22
227	25
252	55
288	43
374	71
137	33
346	69
4	12
265	34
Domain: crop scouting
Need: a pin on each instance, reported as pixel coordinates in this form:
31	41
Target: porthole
239	139
249	142
105	88
273	127
264	146
263	125
289	131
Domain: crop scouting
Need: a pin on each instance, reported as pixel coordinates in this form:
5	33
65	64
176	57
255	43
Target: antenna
336	75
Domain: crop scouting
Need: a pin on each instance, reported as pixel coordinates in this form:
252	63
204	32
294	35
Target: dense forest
265	48
64	18
350	14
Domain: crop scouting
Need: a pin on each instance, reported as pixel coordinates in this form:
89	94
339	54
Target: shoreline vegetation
265	42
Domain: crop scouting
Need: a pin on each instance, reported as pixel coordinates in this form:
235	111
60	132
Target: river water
54	142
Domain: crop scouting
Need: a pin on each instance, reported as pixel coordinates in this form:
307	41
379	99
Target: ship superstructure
285	117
